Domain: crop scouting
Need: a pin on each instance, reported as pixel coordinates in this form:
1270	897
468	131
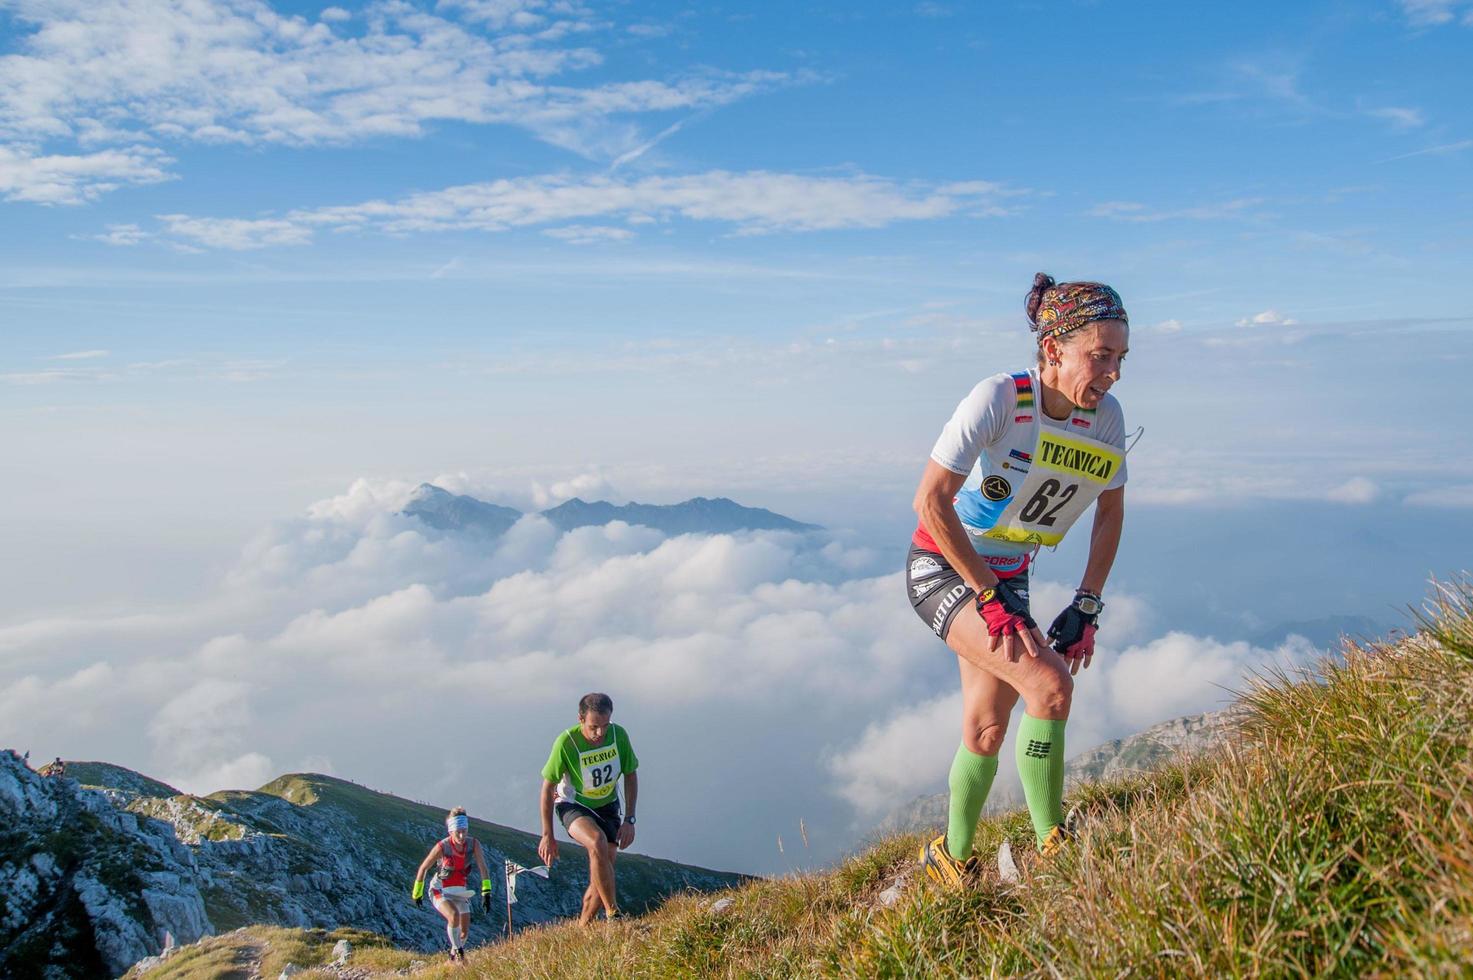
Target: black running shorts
607	817
937	592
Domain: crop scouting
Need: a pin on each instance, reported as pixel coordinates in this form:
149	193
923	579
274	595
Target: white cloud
1169	326
1401	117
588	234
122	235
56	376
899	758
1180	674
81	355
1432	13
1460	495
28	175
236	233
134	72
244	772
592	485
1439	150
1357	490
1267	318
1125	690
1137	212
754	202
648	31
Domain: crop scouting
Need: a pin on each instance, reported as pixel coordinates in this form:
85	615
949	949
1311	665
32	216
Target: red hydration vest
454	865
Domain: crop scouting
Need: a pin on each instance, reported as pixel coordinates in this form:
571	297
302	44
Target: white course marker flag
512	870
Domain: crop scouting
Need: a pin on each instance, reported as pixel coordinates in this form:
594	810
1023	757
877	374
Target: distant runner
1022	458
450	887
580	780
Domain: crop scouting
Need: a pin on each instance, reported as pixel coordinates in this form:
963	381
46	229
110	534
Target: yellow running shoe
1058	838
941	867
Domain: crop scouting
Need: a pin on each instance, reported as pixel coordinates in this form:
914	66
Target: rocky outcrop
86	888
1153	747
93	879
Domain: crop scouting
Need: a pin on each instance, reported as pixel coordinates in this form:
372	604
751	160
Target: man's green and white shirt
589	774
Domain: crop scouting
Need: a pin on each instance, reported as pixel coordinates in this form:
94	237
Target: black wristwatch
629	820
1088	603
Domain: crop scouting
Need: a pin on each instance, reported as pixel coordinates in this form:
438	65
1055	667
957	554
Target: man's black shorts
607	817
937	592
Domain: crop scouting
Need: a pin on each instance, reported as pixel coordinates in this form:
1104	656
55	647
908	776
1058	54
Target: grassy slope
1335	836
116	777
397	827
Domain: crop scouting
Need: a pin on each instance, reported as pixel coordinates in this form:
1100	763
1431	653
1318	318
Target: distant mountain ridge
92	877
446	511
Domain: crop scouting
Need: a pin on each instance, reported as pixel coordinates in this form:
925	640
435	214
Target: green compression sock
1040	753
971	778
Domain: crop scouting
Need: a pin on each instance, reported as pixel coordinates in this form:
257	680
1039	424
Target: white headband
458	822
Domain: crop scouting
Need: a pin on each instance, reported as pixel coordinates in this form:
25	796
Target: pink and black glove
1003	610
1073	631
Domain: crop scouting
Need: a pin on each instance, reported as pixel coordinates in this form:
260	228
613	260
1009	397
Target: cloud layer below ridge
781	674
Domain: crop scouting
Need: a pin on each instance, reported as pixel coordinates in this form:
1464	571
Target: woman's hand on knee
1014	645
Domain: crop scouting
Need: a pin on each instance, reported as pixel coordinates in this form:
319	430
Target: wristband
1003	610
1088	602
485	885
419	890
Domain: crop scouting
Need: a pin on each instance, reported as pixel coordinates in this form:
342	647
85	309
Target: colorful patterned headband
1054	309
458	822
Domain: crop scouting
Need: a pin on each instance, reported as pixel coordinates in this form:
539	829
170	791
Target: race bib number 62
1066	477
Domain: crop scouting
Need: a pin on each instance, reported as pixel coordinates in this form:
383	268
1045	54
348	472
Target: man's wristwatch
1088	603
629	820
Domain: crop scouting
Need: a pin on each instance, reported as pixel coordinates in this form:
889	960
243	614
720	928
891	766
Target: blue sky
253	254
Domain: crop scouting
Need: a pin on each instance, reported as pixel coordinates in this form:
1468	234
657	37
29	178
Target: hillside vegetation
1333	836
100	866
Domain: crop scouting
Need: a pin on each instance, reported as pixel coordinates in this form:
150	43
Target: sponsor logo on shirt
922	567
1078	458
594	757
1019	454
1022	418
1082	423
996	488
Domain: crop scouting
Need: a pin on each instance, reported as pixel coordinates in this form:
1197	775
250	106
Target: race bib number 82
600	769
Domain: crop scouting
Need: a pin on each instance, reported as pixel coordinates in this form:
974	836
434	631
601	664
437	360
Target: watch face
1087	605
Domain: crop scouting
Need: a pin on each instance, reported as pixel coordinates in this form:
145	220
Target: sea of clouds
765	678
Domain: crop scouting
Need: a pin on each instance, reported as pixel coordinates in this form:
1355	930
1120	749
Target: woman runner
581	778
1043	444
450	887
